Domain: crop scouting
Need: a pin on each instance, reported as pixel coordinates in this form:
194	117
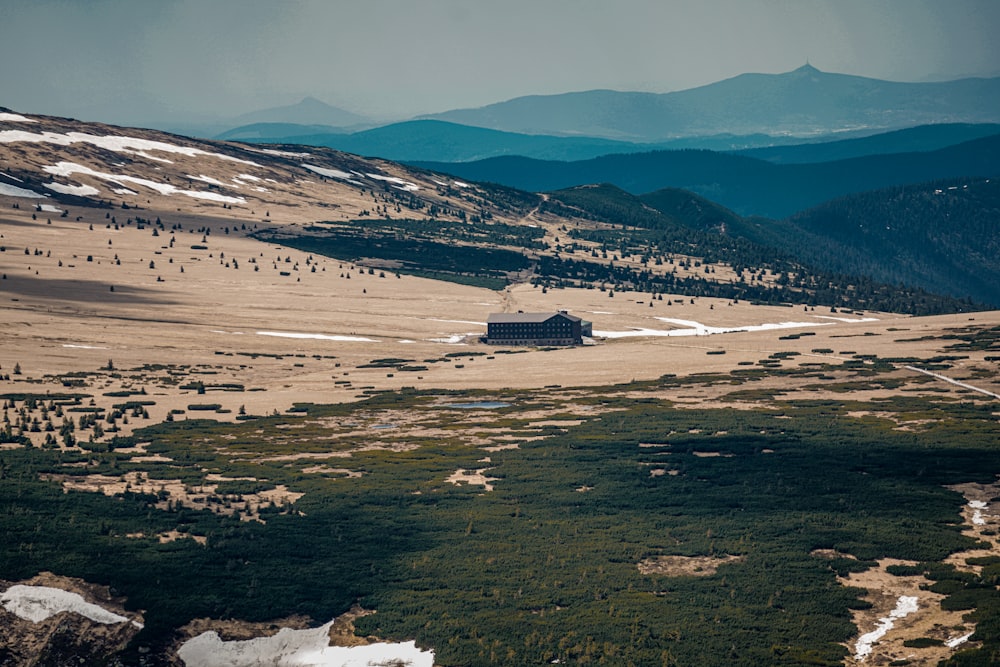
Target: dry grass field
75	298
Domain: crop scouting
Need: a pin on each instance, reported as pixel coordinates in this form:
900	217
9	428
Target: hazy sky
173	60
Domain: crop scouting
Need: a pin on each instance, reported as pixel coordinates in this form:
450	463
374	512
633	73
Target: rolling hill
425	222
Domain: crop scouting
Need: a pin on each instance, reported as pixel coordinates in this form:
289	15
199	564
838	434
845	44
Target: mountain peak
806	69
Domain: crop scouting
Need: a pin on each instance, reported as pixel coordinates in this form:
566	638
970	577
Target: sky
145	61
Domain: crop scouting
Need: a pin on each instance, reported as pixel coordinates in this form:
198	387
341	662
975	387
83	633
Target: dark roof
528	318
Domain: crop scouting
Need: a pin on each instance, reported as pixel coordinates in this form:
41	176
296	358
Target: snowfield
70	168
297	648
37	603
115	143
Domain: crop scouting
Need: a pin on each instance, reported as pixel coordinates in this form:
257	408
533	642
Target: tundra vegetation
552	562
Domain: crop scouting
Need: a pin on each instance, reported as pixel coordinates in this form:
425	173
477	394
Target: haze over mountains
746	112
802	102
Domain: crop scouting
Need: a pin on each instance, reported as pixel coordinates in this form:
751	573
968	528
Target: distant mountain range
803	102
309	111
440	141
913	139
749	186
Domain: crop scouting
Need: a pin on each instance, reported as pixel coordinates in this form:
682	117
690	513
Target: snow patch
692	328
461	184
116	143
15	118
847	319
434	319
84	347
291	648
14	191
331	173
905	606
958	641
70	168
311	336
402	185
455	339
977	507
207	179
78	190
49	208
271	151
37	603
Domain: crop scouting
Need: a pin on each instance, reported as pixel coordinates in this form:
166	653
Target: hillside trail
529	219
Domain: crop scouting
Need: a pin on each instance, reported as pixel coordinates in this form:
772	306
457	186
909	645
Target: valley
245	394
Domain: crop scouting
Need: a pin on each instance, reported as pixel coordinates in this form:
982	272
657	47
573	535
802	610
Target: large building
559	328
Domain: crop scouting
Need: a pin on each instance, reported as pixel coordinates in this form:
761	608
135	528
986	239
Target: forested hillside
746	185
940	236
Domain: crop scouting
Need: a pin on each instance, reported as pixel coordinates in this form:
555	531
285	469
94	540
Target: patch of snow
84	347
144	154
977	507
123	191
697	329
434	319
847	319
116	143
349	339
331	173
49	208
78	190
271	151
247	177
905	606
291	648
14	191
439	182
455	339
207	179
37	603
461	184
15	118
402	185
958	641
70	168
